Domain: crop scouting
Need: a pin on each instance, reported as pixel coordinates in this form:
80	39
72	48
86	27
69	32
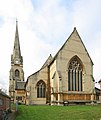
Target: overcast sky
44	26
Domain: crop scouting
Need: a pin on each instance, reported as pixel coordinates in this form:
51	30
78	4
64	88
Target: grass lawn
58	113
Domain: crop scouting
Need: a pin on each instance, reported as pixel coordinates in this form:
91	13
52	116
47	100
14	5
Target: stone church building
65	78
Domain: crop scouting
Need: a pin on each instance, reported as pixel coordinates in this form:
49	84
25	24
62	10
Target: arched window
17	73
75	70
41	89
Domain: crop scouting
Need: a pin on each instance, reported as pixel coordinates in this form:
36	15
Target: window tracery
75	75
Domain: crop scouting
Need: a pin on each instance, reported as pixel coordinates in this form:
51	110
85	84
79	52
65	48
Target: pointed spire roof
16	57
16	50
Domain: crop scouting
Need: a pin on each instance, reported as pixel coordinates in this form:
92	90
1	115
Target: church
66	77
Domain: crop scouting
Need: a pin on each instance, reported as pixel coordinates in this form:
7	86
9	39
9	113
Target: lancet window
41	89
17	73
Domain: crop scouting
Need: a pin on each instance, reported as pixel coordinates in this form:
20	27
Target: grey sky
44	26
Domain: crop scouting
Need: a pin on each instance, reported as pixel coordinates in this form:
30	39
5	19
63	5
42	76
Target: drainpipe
100	90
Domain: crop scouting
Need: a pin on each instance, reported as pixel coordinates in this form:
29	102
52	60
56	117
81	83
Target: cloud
8	13
87	16
87	19
43	28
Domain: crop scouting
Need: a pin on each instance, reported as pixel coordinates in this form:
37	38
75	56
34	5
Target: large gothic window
17	73
75	70
41	89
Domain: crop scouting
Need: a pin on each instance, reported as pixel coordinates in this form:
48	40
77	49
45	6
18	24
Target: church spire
16	51
17	58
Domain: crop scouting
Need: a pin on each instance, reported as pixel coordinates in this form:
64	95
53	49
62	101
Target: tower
16	75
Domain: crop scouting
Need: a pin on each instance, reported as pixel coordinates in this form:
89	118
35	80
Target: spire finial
74	28
16	20
17	27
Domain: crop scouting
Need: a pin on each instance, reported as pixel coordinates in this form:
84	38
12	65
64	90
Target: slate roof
20	85
4	94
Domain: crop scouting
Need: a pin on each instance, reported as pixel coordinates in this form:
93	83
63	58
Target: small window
17	73
18	98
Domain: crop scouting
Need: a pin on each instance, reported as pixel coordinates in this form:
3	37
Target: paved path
12	115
